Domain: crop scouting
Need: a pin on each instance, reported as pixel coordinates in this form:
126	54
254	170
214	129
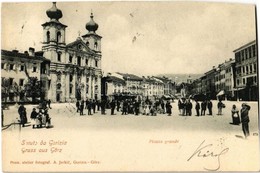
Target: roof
163	79
127	76
148	79
244	46
79	41
115	79
22	55
91	34
54	22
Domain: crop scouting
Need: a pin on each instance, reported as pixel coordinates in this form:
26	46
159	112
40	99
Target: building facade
16	69
246	72
75	68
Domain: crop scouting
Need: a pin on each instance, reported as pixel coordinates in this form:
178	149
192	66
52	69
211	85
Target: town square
113	86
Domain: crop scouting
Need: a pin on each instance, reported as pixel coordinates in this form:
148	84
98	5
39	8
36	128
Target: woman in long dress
235	115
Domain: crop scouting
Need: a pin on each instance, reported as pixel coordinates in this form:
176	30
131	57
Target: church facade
74	71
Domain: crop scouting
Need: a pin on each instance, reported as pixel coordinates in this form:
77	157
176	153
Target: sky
143	38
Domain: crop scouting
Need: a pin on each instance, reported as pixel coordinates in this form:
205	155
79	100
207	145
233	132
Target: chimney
26	53
31	51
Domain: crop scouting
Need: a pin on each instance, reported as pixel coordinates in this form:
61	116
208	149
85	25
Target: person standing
112	106
77	105
81	107
183	106
98	105
33	117
39	119
22	113
168	108
220	106
48	119
180	105
117	105
188	108
49	103
89	106
203	107
235	115
209	104
125	106
103	106
94	106
245	119
162	106
136	107
197	107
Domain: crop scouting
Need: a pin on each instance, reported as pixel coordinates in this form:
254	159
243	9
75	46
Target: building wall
16	67
246	68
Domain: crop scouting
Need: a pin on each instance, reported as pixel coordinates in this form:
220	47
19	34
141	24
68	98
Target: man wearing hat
245	119
33	117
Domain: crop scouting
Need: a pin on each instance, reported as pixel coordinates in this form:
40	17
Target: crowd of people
39	119
185	107
126	106
146	107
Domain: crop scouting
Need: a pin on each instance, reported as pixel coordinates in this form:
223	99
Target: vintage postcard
129	86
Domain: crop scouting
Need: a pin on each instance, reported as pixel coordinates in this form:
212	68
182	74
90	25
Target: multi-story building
113	86
133	84
230	76
75	68
16	69
224	79
246	72
203	84
210	83
169	86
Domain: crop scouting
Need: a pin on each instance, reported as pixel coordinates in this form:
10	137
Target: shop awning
221	93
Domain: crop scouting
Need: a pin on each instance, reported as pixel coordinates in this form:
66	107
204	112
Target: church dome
54	12
91	26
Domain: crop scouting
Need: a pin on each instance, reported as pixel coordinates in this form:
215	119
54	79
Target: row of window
13	67
247	69
219	77
78	60
71	78
248	80
11	81
246	53
58	36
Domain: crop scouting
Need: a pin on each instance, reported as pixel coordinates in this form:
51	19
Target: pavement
133	143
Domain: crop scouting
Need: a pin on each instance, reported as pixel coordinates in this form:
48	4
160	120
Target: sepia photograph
143	86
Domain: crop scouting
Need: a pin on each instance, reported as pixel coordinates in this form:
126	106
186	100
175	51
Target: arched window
59	76
48	36
58	37
59	56
58	86
71	88
70	58
87	88
71	78
87	43
95	45
79	60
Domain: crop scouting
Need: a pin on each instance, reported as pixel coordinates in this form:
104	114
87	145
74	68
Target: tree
9	90
5	87
33	88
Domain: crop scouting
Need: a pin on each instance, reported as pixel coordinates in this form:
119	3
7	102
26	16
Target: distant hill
181	77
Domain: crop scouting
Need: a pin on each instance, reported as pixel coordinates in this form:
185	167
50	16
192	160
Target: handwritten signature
205	152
